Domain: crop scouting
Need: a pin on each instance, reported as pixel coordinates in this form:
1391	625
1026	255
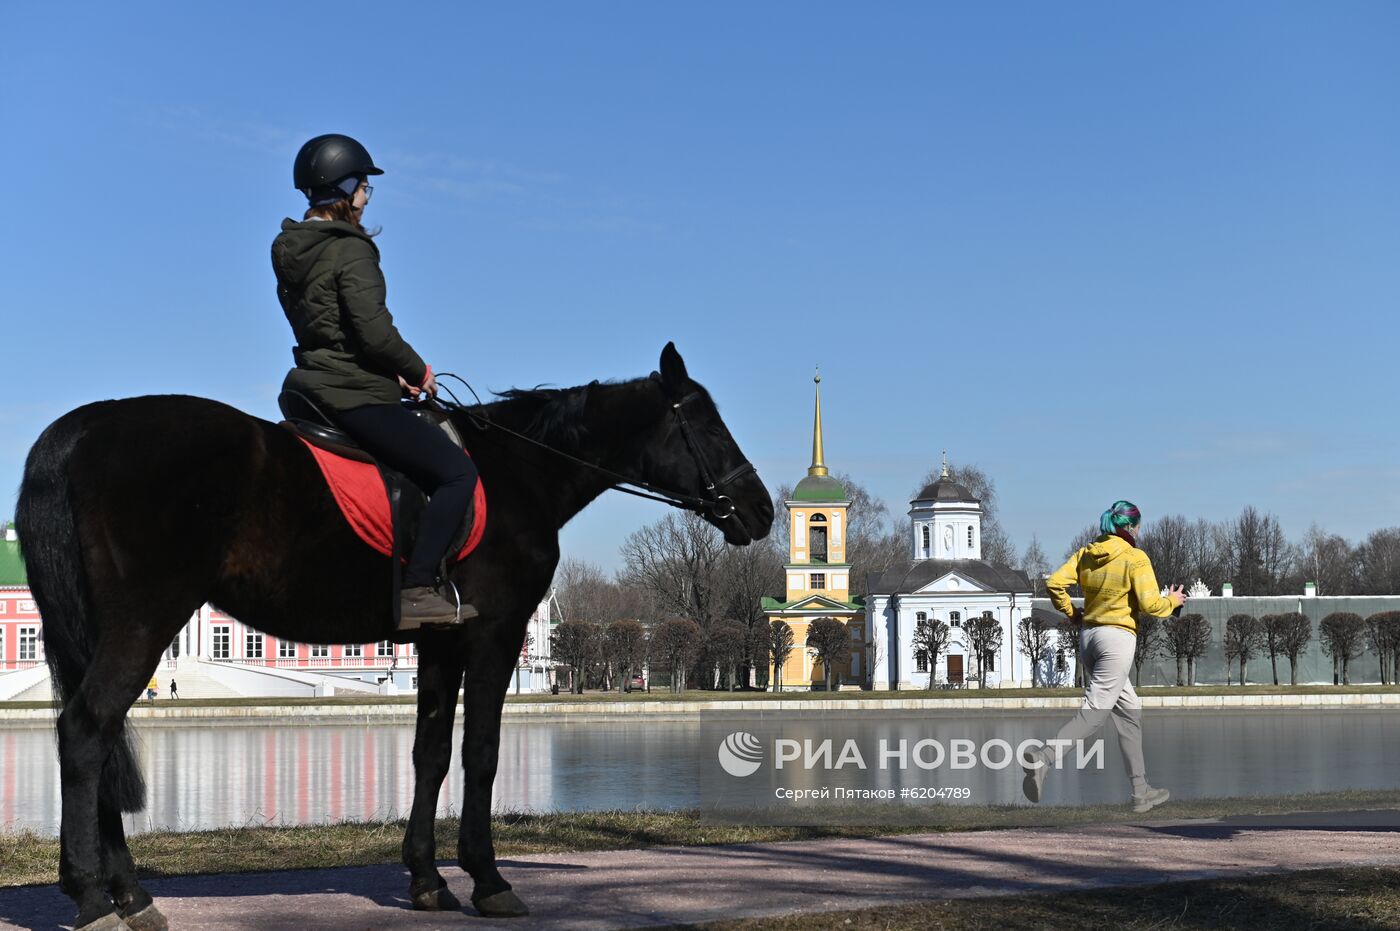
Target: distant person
174	691
151	688
1118	584
352	362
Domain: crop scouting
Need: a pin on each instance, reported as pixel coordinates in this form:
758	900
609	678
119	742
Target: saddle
405	500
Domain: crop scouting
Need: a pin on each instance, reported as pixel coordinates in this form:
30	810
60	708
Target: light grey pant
1107	655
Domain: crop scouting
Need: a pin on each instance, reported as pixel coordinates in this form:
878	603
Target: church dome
945	489
819	488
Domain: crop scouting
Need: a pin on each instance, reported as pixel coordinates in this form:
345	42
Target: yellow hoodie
1117	580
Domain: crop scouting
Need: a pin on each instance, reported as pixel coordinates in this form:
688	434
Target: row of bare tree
1252	553
607	656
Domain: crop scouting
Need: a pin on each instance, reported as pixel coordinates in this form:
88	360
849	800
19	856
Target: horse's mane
548	415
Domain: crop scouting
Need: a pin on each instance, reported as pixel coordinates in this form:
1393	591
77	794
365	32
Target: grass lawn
1356	899
666	696
27	859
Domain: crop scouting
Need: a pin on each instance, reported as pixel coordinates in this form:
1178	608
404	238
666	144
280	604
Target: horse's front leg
439	680
488	674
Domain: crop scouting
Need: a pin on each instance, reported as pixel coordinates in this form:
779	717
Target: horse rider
351	360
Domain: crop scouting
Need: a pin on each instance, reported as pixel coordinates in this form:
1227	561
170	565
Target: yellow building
818	575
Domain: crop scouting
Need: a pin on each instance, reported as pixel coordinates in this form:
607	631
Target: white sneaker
1035	776
1154	797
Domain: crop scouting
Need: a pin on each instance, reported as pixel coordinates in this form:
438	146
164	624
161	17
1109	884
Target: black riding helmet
327	160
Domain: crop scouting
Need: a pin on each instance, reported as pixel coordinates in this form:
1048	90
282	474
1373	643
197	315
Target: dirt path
638	888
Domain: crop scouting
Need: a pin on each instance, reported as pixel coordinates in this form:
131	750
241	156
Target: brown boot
421	607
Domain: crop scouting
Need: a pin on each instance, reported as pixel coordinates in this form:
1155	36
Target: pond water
214	776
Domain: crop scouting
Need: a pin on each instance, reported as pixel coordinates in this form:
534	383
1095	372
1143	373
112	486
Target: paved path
630	889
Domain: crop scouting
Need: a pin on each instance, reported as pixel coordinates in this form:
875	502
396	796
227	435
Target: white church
947	581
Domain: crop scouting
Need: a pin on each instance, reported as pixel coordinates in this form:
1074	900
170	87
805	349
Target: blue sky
1101	250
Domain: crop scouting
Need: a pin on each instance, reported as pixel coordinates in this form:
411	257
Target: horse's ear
673	373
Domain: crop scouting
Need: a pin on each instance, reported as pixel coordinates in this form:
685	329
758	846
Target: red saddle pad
359	490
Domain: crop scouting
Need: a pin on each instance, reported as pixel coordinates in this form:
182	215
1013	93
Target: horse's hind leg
133	902
89	732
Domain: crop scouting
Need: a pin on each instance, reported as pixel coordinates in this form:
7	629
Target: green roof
819	488
774	604
11	565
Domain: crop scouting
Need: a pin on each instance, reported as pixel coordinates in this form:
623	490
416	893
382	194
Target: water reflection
203	777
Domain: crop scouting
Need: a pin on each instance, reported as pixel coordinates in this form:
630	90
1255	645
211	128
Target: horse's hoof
148	919
436	900
108	922
501	905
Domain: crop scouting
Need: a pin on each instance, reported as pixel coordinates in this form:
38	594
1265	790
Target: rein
719	505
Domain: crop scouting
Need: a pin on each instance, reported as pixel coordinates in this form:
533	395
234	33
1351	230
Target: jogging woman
351	360
1118	584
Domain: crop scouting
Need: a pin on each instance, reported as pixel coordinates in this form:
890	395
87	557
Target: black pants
425	454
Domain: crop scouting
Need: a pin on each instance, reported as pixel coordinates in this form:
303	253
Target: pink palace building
216	656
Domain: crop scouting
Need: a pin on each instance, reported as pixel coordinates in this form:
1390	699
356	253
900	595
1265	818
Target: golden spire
818	466
945	464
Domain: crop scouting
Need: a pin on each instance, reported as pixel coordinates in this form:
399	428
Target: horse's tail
48	541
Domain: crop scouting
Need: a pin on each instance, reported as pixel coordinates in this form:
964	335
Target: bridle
712	500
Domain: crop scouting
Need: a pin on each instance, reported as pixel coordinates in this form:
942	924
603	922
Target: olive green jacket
348	352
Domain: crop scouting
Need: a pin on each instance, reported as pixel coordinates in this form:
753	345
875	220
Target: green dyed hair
1121	514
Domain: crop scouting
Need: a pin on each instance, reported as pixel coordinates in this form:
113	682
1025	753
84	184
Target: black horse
134	512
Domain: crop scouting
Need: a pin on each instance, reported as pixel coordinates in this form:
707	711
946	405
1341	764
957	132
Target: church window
969	535
818	581
921	661
816	537
926	540
954	618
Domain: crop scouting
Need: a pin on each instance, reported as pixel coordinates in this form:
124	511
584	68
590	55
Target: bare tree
586	594
931	638
1271	629
1342	635
1033	635
676	642
829	642
625	645
1383	637
1328	561
1187	639
984	635
1167	541
725	649
1258	554
1206	558
1151	642
1244	638
1295	633
677	560
744	575
575	644
1378	563
780	639
1069	630
1035	566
